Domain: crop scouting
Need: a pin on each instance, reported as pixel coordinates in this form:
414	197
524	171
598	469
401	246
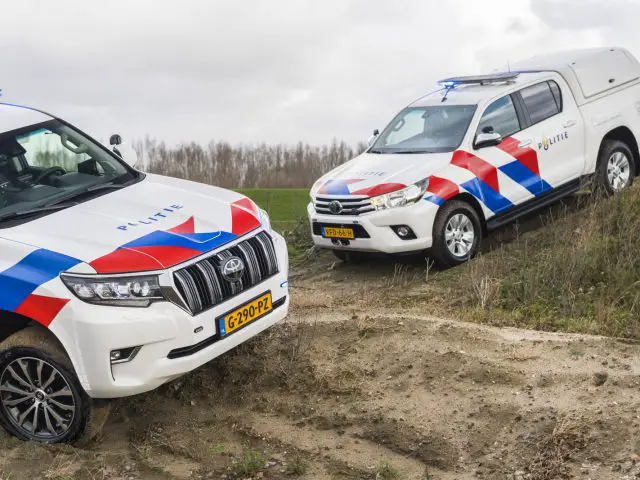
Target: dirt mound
360	392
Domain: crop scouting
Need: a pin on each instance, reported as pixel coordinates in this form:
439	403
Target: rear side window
540	101
500	117
557	94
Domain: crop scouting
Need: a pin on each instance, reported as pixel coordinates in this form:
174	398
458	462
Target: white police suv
480	152
112	281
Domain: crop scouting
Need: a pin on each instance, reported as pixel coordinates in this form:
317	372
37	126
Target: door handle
525	143
569	123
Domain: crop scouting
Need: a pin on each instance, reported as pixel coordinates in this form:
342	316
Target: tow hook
340	242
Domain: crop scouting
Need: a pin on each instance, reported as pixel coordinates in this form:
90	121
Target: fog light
404	232
123	355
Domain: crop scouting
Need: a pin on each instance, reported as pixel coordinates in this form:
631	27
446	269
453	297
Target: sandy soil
350	388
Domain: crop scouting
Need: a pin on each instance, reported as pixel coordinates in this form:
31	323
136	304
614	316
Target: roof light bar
479	79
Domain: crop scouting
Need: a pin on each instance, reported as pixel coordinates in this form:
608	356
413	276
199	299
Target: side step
535	203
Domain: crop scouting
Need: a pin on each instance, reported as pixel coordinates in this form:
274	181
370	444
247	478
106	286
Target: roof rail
479	79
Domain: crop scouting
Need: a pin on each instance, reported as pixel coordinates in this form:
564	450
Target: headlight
121	291
266	220
400	198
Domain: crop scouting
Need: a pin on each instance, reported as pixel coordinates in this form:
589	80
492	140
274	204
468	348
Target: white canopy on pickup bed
589	72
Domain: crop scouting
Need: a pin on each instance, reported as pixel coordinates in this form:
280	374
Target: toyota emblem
335	207
232	269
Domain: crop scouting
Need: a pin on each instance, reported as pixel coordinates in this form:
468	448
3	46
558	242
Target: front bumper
377	225
90	333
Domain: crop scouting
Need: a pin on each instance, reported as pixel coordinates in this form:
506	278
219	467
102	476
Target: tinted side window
540	102
501	115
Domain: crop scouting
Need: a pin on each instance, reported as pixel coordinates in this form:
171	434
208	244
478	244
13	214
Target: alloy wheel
37	399
618	171
459	235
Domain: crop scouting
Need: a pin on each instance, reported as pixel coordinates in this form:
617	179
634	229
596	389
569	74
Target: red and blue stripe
485	186
18	283
525	170
167	248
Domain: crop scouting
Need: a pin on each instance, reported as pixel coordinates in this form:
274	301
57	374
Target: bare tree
258	166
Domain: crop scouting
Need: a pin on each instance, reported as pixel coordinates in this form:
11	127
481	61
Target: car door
503	177
555	131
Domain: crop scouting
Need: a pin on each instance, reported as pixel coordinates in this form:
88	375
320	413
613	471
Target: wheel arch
11	323
626	136
475	204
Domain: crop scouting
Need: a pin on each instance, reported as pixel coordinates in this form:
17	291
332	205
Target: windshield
432	129
47	163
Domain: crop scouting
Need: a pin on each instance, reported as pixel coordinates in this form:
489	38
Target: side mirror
484	140
125	152
115	140
373	137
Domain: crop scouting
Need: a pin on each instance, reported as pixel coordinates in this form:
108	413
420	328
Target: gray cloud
582	14
251	70
517	25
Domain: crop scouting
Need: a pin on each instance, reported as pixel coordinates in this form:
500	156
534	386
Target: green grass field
286	206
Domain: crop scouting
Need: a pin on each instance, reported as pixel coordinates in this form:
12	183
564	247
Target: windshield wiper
414	151
34	211
91	189
103	186
62	203
400	151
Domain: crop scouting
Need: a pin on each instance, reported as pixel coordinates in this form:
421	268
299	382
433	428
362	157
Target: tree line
246	166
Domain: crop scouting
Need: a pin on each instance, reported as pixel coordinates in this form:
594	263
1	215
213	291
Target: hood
375	174
154	224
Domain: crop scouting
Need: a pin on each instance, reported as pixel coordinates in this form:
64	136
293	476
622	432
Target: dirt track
347	388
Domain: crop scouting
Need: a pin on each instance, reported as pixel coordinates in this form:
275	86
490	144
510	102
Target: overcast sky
273	71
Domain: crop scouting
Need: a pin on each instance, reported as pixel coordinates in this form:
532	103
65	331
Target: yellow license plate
331	232
245	314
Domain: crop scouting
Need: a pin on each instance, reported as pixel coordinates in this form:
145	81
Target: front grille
358	230
202	285
349	206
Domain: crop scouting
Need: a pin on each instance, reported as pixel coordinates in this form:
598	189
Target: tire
348	256
616	168
33	364
460	218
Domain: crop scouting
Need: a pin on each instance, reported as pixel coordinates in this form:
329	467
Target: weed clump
248	465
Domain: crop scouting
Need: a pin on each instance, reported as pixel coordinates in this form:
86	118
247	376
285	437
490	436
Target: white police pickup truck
113	282
480	152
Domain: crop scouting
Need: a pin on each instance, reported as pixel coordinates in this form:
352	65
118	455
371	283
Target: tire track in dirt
335	446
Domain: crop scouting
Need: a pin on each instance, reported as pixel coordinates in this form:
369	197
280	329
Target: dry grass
297	466
386	471
521	354
555	451
579	272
